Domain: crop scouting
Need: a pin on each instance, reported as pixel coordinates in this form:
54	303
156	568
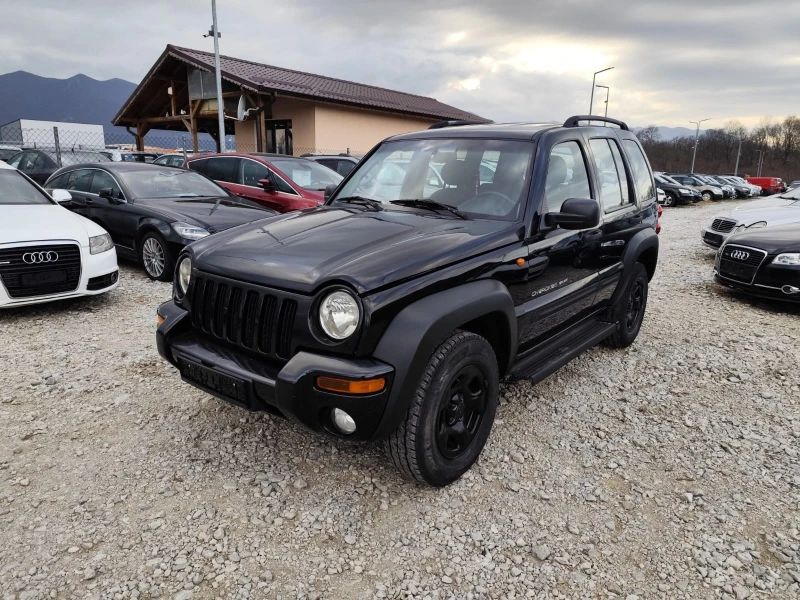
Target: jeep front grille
257	319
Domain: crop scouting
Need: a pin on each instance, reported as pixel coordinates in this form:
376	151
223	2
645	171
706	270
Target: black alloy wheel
461	411
635	306
629	310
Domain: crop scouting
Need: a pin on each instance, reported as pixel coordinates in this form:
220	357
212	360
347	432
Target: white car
46	251
780	209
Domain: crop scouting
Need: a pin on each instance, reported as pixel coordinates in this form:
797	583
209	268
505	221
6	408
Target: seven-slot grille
253	318
723	225
29	271
740	263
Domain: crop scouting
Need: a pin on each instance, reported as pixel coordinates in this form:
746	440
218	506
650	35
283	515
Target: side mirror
329	189
267	184
61	196
106	193
576	213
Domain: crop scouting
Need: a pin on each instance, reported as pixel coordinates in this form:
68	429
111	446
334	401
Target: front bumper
96	270
775	282
288	390
713	239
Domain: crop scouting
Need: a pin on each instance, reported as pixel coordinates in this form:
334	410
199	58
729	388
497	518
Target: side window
15	160
251	172
39	162
624	176
566	176
102	181
198	165
28	160
56	183
344	167
611	171
641	171
328	162
221	168
80	180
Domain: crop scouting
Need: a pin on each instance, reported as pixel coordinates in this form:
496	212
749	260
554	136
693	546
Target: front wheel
707	196
155	256
629	310
451	413
670	200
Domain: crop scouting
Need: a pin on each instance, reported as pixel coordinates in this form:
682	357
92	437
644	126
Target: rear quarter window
643	177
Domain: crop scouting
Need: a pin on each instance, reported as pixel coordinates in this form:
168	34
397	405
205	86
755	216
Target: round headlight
184	275
339	315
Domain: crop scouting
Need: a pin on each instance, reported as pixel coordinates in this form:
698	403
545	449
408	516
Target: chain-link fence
70	144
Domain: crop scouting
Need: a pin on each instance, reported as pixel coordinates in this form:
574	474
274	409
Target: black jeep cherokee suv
448	260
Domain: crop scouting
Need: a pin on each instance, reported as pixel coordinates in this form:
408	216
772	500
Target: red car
769	185
280	182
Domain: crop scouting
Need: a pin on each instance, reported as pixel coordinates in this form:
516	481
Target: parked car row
685	188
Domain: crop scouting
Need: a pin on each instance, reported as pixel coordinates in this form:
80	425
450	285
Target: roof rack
442	124
574	121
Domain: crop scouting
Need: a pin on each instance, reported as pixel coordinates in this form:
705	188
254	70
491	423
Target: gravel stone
636	473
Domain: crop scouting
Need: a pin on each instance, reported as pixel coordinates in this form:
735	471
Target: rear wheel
155	256
629	310
451	414
670	200
706	195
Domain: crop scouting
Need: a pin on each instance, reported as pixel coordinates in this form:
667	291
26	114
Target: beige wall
246	135
338	128
302	114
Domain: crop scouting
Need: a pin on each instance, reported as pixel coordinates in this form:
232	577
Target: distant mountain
79	99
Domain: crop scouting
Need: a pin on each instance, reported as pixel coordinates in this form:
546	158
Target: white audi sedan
46	251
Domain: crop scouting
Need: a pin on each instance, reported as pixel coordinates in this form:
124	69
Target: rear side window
221	169
344	168
566	176
198	165
58	182
641	171
327	162
611	171
80	180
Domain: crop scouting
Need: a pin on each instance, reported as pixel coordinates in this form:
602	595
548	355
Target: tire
155	257
670	200
440	438
629	311
706	195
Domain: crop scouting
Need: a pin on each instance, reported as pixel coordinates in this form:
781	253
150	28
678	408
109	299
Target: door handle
636	219
88	201
593	235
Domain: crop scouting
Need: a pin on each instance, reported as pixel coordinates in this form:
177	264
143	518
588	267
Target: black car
763	262
39	165
676	193
396	320
152	211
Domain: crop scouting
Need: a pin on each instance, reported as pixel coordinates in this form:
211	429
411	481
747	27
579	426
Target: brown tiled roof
261	77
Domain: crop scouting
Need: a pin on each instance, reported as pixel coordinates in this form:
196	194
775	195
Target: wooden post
172	96
193	120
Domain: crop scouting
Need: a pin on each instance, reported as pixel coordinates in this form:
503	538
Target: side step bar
547	359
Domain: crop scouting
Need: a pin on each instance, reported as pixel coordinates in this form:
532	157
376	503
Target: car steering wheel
488	194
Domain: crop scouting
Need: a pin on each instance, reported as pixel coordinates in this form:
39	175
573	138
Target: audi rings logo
36	258
740	255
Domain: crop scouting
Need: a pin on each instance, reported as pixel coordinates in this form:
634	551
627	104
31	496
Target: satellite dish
241	110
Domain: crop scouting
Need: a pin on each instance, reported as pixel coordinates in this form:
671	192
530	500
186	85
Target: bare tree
649	135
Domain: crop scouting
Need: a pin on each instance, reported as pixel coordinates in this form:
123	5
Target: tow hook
790	289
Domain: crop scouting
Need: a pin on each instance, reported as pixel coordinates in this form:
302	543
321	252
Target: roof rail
573	121
442	124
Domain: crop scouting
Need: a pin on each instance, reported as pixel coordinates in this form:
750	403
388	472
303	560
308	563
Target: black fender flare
416	331
645	240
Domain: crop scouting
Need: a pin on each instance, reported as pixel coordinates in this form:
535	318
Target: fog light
343	421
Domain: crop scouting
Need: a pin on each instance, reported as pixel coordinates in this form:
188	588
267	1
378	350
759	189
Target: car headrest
455	172
556	171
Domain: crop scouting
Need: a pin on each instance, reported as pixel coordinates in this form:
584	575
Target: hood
776	213
366	249
775	240
33	222
201	211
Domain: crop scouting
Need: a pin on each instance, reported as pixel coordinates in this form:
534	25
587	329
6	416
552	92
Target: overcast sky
505	60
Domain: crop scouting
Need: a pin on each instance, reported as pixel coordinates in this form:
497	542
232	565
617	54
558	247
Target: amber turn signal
349	386
520	262
160	319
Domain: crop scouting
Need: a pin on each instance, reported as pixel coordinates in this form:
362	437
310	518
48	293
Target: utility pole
608	91
760	161
738	155
696	139
591	102
220	107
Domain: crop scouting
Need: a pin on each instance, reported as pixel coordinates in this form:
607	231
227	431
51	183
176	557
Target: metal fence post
58	146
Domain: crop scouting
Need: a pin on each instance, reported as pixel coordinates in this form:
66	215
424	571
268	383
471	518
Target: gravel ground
668	470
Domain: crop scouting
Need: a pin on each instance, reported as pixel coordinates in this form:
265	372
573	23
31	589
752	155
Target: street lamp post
738	156
596	73
220	106
696	138
608	92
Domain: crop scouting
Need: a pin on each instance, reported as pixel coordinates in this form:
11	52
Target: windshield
169	183
482	178
306	173
15	189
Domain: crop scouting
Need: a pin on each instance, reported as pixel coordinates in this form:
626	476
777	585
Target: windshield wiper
375	205
431	205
